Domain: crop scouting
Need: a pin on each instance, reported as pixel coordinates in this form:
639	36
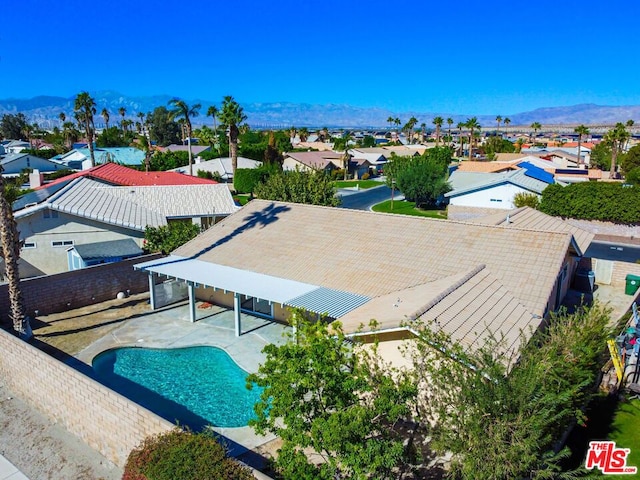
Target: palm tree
10	241
390	120
85	109
303	133
449	123
185	112
580	130
423	127
472	124
62	117
536	126
460	138
616	139
438	123
397	123
231	115
498	119
123	112
507	121
409	126
212	111
105	116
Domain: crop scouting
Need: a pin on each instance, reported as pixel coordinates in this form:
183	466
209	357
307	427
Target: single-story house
470	280
496	190
325	161
377	161
221	166
15	146
14	164
86	211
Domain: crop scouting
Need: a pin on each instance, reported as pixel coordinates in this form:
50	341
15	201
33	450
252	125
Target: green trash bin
632	284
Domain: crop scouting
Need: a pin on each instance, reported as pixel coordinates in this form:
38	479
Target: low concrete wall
105	420
79	288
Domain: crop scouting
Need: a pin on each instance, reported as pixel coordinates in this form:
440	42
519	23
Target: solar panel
537	173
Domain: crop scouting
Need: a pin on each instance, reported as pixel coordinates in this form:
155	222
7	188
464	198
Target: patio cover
314	298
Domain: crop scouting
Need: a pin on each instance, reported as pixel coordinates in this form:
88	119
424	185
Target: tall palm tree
506	122
185	112
85	108
123	112
231	115
498	120
105	116
460	138
212	111
472	124
62	117
303	133
10	244
423	127
535	126
449	123
438	123
580	130
409	126
616	139
390	121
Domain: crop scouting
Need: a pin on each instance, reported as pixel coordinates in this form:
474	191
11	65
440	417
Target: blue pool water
195	386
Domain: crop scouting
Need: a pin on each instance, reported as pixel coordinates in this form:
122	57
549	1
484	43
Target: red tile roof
125	176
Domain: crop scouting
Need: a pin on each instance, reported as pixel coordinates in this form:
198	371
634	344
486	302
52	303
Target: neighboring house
115	174
469	280
15	146
221	166
496	190
84	211
15	163
324	161
80	159
89	254
377	161
487	167
195	149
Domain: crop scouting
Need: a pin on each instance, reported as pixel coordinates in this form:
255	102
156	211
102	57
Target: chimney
36	179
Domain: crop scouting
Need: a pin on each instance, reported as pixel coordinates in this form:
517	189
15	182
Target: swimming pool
195	386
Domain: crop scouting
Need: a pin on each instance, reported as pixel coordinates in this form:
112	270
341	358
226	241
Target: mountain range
45	111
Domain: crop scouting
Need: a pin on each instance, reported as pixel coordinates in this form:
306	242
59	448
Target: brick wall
79	288
105	420
620	271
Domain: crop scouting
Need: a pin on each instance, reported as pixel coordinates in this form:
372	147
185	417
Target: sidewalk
9	472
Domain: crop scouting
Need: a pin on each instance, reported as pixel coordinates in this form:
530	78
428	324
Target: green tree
535	126
507	121
10	244
231	115
105	117
449	123
185	112
212	112
162	127
524	199
324	396
303	134
497	144
162	161
631	160
167	238
472	124
501	413
581	130
299	186
601	156
498	121
113	137
408	127
422	180
367	142
13	127
85	108
438	123
123	113
390	121
616	139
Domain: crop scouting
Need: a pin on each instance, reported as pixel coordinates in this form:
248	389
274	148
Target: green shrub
246	179
183	455
337	174
210	175
609	202
523	199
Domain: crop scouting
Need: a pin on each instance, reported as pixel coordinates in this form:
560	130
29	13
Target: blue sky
467	57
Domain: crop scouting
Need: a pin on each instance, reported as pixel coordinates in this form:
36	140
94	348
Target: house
15	146
470	280
89	254
476	194
377	161
195	149
219	166
87	211
325	161
14	164
80	159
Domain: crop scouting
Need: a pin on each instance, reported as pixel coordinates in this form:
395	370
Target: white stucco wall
42	231
500	196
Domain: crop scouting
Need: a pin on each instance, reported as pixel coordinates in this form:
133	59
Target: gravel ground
43	450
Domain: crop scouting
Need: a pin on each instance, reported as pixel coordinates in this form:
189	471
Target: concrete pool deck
170	327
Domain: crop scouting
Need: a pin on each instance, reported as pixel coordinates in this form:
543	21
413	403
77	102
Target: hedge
609	202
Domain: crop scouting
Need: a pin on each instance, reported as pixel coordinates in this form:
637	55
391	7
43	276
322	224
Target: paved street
364	199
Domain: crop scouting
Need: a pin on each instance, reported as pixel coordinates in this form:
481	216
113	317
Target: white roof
222	166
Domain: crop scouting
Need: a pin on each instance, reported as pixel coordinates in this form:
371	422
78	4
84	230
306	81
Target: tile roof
486	167
519	177
318	160
137	207
297	242
526	218
120	175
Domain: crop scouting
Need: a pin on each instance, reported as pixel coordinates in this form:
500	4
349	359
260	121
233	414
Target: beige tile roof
527	218
469	307
487	167
329	247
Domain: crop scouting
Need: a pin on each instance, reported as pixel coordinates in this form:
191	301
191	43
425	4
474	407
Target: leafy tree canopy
523	199
299	186
162	161
324	395
162	127
631	159
601	156
114	137
167	238
13	127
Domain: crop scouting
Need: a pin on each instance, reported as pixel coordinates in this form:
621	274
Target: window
27	245
256	306
496	199
62	243
50	213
